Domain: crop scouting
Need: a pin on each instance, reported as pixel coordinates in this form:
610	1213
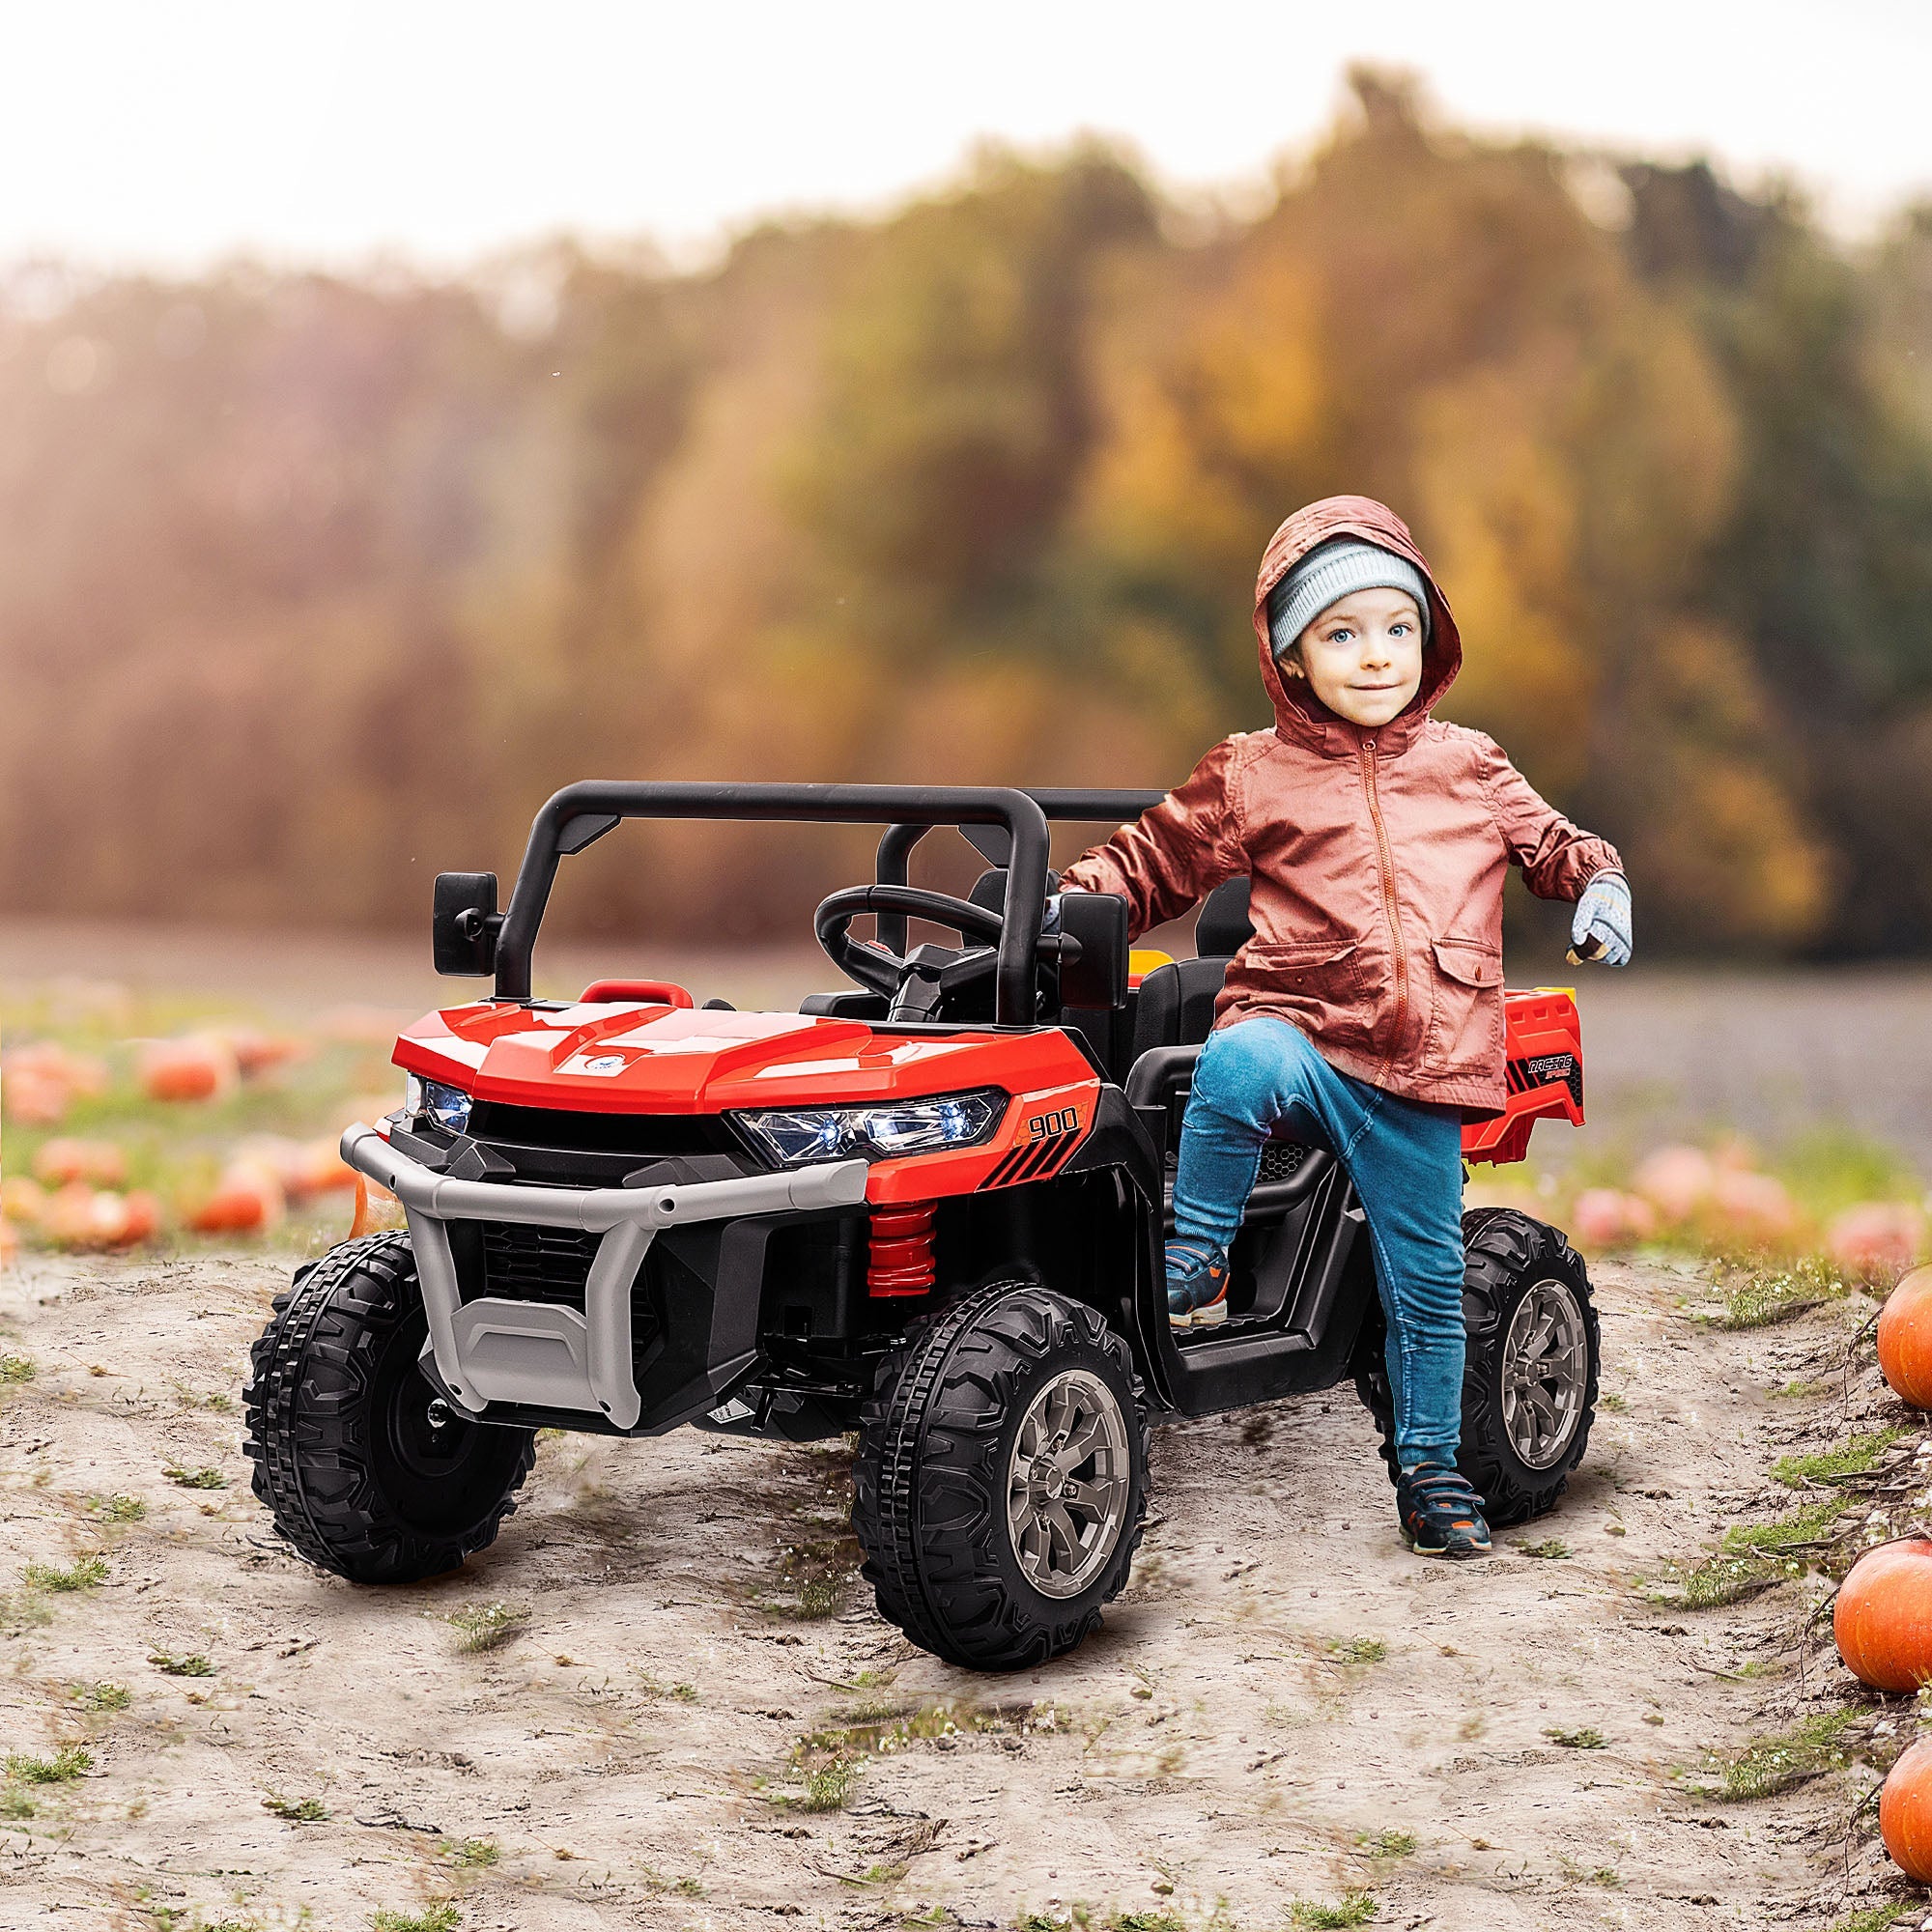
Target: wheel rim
1067	1483
1546	1369
439	1472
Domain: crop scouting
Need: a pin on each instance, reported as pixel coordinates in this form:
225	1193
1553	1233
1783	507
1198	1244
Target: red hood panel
676	1060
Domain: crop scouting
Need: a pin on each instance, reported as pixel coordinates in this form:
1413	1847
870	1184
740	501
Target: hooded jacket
1376	857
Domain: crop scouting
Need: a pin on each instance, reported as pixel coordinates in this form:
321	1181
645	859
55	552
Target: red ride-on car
930	1209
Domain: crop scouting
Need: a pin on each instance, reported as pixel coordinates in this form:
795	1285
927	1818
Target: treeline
310	586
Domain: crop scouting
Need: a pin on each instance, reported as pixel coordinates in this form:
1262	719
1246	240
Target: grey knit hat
1331	571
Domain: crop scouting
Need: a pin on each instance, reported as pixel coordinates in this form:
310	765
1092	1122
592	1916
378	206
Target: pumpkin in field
1876	1238
247	1199
196	1068
376	1208
100	1163
1883	1618
1905	1813
80	1216
1905	1338
9	1243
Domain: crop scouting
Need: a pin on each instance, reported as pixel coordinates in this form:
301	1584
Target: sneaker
1197	1284
1441	1515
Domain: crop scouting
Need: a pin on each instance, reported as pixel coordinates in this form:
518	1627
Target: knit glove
1602	928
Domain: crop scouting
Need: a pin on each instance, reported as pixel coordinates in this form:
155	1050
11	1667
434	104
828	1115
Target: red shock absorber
900	1261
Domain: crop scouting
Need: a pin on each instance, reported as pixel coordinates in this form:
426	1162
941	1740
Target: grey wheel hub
1546	1370
1067	1483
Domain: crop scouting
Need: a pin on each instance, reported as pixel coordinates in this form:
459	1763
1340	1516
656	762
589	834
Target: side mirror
464	922
1099	977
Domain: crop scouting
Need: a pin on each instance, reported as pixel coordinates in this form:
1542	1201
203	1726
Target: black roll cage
1007	825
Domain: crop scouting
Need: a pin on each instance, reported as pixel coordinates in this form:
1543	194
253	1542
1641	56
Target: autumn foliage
309	586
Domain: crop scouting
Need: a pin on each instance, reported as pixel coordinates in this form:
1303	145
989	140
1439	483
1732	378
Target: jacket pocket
1318	980
1465	1025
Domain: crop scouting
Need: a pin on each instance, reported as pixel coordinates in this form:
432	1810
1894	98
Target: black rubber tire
931	1479
337	1423
1506	1254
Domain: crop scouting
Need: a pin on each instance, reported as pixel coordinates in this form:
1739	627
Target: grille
1280	1159
560	1127
528	1263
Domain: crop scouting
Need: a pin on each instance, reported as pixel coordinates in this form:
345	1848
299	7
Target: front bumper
540	1355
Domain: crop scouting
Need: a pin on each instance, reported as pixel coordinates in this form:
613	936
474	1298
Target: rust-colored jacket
1377	859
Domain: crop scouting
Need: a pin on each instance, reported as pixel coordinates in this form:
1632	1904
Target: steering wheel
877	966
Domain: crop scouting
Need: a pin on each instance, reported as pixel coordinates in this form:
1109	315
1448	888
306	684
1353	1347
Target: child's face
1362	657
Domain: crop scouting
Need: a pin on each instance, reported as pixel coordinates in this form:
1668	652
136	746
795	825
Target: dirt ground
1280	1701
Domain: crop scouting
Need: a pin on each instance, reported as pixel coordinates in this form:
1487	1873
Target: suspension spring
900	1260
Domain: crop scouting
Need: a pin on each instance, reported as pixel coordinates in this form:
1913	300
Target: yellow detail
1568	992
1144	960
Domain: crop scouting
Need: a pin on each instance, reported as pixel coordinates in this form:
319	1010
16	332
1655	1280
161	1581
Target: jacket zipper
1386	861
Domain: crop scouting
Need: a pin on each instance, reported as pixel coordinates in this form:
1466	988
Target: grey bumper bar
541	1353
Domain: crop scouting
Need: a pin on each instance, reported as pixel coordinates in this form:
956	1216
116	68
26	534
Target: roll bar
1007	825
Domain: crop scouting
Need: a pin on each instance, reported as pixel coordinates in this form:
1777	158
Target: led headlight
445	1107
794	1136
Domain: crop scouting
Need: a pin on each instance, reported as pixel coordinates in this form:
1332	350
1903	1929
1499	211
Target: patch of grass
1358	1908
1145	1922
1360	1650
1552	1548
192	1664
117	1509
15	1370
1588	1738
1769	1765
85	1573
102	1696
1758	1297
16	1803
296	1811
472	1854
1605	1876
1613	1404
1876	1917
1387	1844
487	1625
1777	1537
683	1694
1854	1458
194	1479
1718	1580
441	1917
69	1762
828	1787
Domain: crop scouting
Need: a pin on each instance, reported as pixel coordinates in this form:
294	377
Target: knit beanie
1332	571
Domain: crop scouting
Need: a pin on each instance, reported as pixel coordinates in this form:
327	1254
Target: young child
1366	1013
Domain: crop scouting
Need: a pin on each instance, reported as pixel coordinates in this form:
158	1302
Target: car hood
631	1058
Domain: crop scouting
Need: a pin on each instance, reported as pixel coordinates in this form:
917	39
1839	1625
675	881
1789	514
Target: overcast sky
170	133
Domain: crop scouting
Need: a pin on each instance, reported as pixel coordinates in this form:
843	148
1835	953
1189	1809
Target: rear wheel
368	1472
1529	1381
1001	1482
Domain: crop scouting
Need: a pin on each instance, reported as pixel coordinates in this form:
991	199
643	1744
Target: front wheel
1529	1379
367	1470
1001	1482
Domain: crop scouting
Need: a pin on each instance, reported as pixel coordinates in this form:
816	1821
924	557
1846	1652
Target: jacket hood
1297	711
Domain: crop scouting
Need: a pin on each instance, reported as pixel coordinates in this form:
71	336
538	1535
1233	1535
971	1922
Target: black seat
1175	1006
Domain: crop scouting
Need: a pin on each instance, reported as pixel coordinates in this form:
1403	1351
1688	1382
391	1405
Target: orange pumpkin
1883	1618
1905	1338
196	1068
376	1208
1905	1813
100	1163
247	1199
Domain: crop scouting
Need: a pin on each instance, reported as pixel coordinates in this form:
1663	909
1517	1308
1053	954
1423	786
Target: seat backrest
1175	1006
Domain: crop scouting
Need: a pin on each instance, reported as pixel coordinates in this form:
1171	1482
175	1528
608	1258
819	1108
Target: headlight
446	1107
794	1136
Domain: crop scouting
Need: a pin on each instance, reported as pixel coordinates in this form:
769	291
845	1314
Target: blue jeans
1406	1159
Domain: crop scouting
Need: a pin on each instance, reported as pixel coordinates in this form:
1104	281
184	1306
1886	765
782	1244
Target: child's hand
1602	928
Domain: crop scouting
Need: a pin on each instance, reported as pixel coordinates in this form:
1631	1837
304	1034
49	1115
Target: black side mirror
1099	977
464	925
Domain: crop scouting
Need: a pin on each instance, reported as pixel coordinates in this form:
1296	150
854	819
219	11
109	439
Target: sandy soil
628	1755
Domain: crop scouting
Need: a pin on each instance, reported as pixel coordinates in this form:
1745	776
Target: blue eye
1337	637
